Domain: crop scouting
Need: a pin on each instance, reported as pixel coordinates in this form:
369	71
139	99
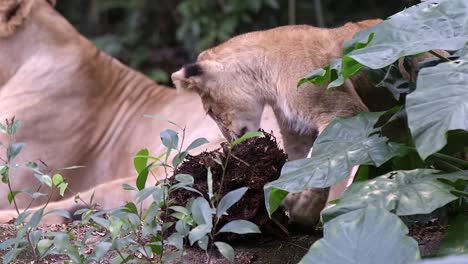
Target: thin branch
443	58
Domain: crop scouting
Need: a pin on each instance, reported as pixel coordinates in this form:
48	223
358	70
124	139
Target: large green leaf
343	144
447	260
427	26
368	235
403	192
439	104
453	242
432	24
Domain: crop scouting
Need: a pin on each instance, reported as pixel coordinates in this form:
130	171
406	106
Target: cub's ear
192	76
12	15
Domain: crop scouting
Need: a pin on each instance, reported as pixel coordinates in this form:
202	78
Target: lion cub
236	79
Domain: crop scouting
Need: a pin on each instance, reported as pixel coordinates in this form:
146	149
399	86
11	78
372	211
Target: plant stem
464	163
443	58
120	254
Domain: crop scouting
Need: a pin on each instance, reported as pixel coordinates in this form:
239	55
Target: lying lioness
236	79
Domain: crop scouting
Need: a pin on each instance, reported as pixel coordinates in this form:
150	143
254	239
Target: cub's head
228	89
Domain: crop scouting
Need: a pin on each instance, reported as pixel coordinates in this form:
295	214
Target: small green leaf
170	139
276	196
180	209
36	218
198	233
143	177
229	200
182	227
197	143
44	245
131	208
176	240
22	217
240	227
226	250
44	178
35	236
61	212
101	249
62	188
14	127
185	178
57	179
179	158
4	172
11	196
128	187
141	160
203	242
246	136
14	149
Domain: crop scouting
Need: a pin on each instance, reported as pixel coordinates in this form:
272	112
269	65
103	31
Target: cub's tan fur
236	79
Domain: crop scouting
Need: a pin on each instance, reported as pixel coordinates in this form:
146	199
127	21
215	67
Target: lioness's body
239	77
79	106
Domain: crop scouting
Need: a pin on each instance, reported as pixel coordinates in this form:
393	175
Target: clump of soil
428	235
252	164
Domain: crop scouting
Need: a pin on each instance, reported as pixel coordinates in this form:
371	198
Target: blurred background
158	36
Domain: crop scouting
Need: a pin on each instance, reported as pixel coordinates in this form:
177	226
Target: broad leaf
369	235
201	212
198	233
455	241
447	260
439	104
430	25
229	200
403	192
427	26
342	145
226	250
240	227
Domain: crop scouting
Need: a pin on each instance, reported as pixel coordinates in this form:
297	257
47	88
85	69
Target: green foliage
344	143
401	192
205	23
454	243
133	229
418	147
368	235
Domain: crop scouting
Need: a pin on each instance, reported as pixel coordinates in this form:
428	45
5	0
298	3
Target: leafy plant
28	233
142	229
420	144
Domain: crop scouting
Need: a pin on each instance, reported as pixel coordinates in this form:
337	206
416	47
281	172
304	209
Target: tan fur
239	77
80	106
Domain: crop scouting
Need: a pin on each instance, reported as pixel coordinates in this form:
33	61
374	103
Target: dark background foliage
158	36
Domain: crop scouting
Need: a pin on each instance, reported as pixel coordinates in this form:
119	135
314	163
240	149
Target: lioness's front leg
296	145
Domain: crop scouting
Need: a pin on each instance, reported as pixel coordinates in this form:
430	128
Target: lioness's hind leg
304	208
